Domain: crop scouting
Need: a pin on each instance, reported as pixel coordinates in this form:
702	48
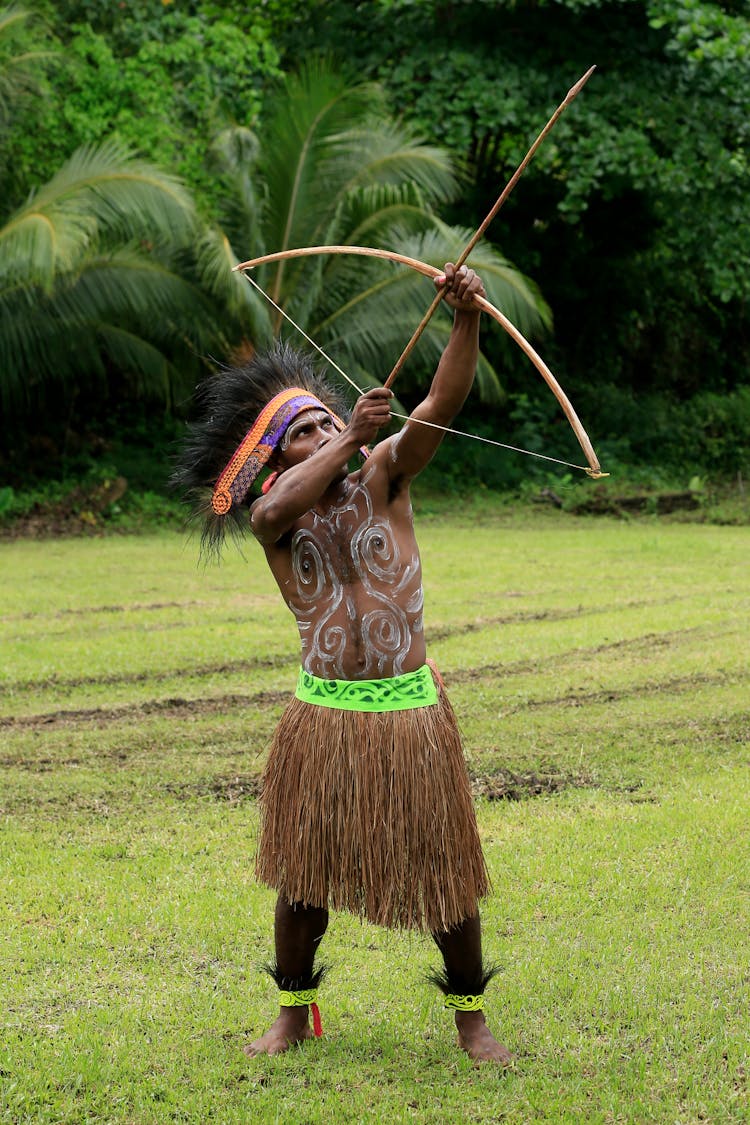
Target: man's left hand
462	286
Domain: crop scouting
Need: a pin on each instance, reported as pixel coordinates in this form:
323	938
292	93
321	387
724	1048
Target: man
366	803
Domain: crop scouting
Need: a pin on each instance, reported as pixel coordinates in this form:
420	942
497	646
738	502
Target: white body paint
357	600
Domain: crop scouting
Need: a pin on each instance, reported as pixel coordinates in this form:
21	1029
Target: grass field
600	673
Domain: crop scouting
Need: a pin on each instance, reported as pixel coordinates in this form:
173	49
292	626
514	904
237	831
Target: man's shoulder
379	473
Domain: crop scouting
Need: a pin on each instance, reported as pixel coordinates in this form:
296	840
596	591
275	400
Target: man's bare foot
478	1041
290	1027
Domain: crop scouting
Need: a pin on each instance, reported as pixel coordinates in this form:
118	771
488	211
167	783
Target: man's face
305	435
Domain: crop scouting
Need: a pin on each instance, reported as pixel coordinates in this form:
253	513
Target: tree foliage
90	278
87	279
634	214
107	272
633	217
329	166
20	61
162	78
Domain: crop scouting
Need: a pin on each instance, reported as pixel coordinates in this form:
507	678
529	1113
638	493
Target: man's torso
352	577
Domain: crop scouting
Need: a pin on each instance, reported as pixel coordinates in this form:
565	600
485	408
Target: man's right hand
371	411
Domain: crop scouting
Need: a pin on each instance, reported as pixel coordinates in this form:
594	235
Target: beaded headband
255	449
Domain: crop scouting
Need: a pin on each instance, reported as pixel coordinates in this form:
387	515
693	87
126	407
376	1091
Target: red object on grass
317	1023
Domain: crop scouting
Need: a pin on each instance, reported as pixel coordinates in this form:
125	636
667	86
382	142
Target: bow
594	468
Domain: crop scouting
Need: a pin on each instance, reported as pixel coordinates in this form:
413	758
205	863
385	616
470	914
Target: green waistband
396	693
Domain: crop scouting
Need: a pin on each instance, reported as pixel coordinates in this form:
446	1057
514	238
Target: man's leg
298	931
461	948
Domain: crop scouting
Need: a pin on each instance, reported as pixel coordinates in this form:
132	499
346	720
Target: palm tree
88	278
91	279
331	166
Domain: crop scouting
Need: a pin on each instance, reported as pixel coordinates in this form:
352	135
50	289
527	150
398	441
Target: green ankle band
297	999
464	1003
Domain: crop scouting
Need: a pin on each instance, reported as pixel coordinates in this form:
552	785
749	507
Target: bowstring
394	414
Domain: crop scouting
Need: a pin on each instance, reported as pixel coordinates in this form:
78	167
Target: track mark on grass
171	708
514	668
178	708
461	628
251	664
87	610
289	659
676	685
506	785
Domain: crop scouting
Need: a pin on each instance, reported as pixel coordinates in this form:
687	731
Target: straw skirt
372	813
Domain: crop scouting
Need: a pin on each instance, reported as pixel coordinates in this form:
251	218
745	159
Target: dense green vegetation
601	680
634	215
632	221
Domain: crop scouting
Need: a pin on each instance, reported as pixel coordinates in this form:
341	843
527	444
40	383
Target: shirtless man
366	803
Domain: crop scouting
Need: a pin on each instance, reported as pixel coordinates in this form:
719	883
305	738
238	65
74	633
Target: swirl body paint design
357	591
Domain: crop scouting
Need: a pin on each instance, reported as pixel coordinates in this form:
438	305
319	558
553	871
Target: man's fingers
458	280
461	284
446	277
372	411
377	393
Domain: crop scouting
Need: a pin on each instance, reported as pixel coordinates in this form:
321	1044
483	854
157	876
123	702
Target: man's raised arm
413	448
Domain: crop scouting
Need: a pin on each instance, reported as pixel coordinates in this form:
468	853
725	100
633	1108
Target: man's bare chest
354	544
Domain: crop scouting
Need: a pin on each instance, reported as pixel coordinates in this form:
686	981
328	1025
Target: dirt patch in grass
505	785
233	789
40	765
508	785
733	730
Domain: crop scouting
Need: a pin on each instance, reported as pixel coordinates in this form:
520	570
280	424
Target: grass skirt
372	814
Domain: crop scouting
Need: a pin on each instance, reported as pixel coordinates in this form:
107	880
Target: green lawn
600	673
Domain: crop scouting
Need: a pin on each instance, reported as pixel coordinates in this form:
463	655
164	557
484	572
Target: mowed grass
600	673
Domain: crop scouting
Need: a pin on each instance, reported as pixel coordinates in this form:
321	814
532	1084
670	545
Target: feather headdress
243	413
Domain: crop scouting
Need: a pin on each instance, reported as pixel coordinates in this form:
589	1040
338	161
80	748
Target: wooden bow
594	469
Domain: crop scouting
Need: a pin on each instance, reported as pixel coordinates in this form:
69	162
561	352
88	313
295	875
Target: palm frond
393	155
126	285
328	145
368	309
383	155
368	212
120	290
21	67
126	194
514	294
101	190
318	105
11	17
243	195
144	365
215	261
236	148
